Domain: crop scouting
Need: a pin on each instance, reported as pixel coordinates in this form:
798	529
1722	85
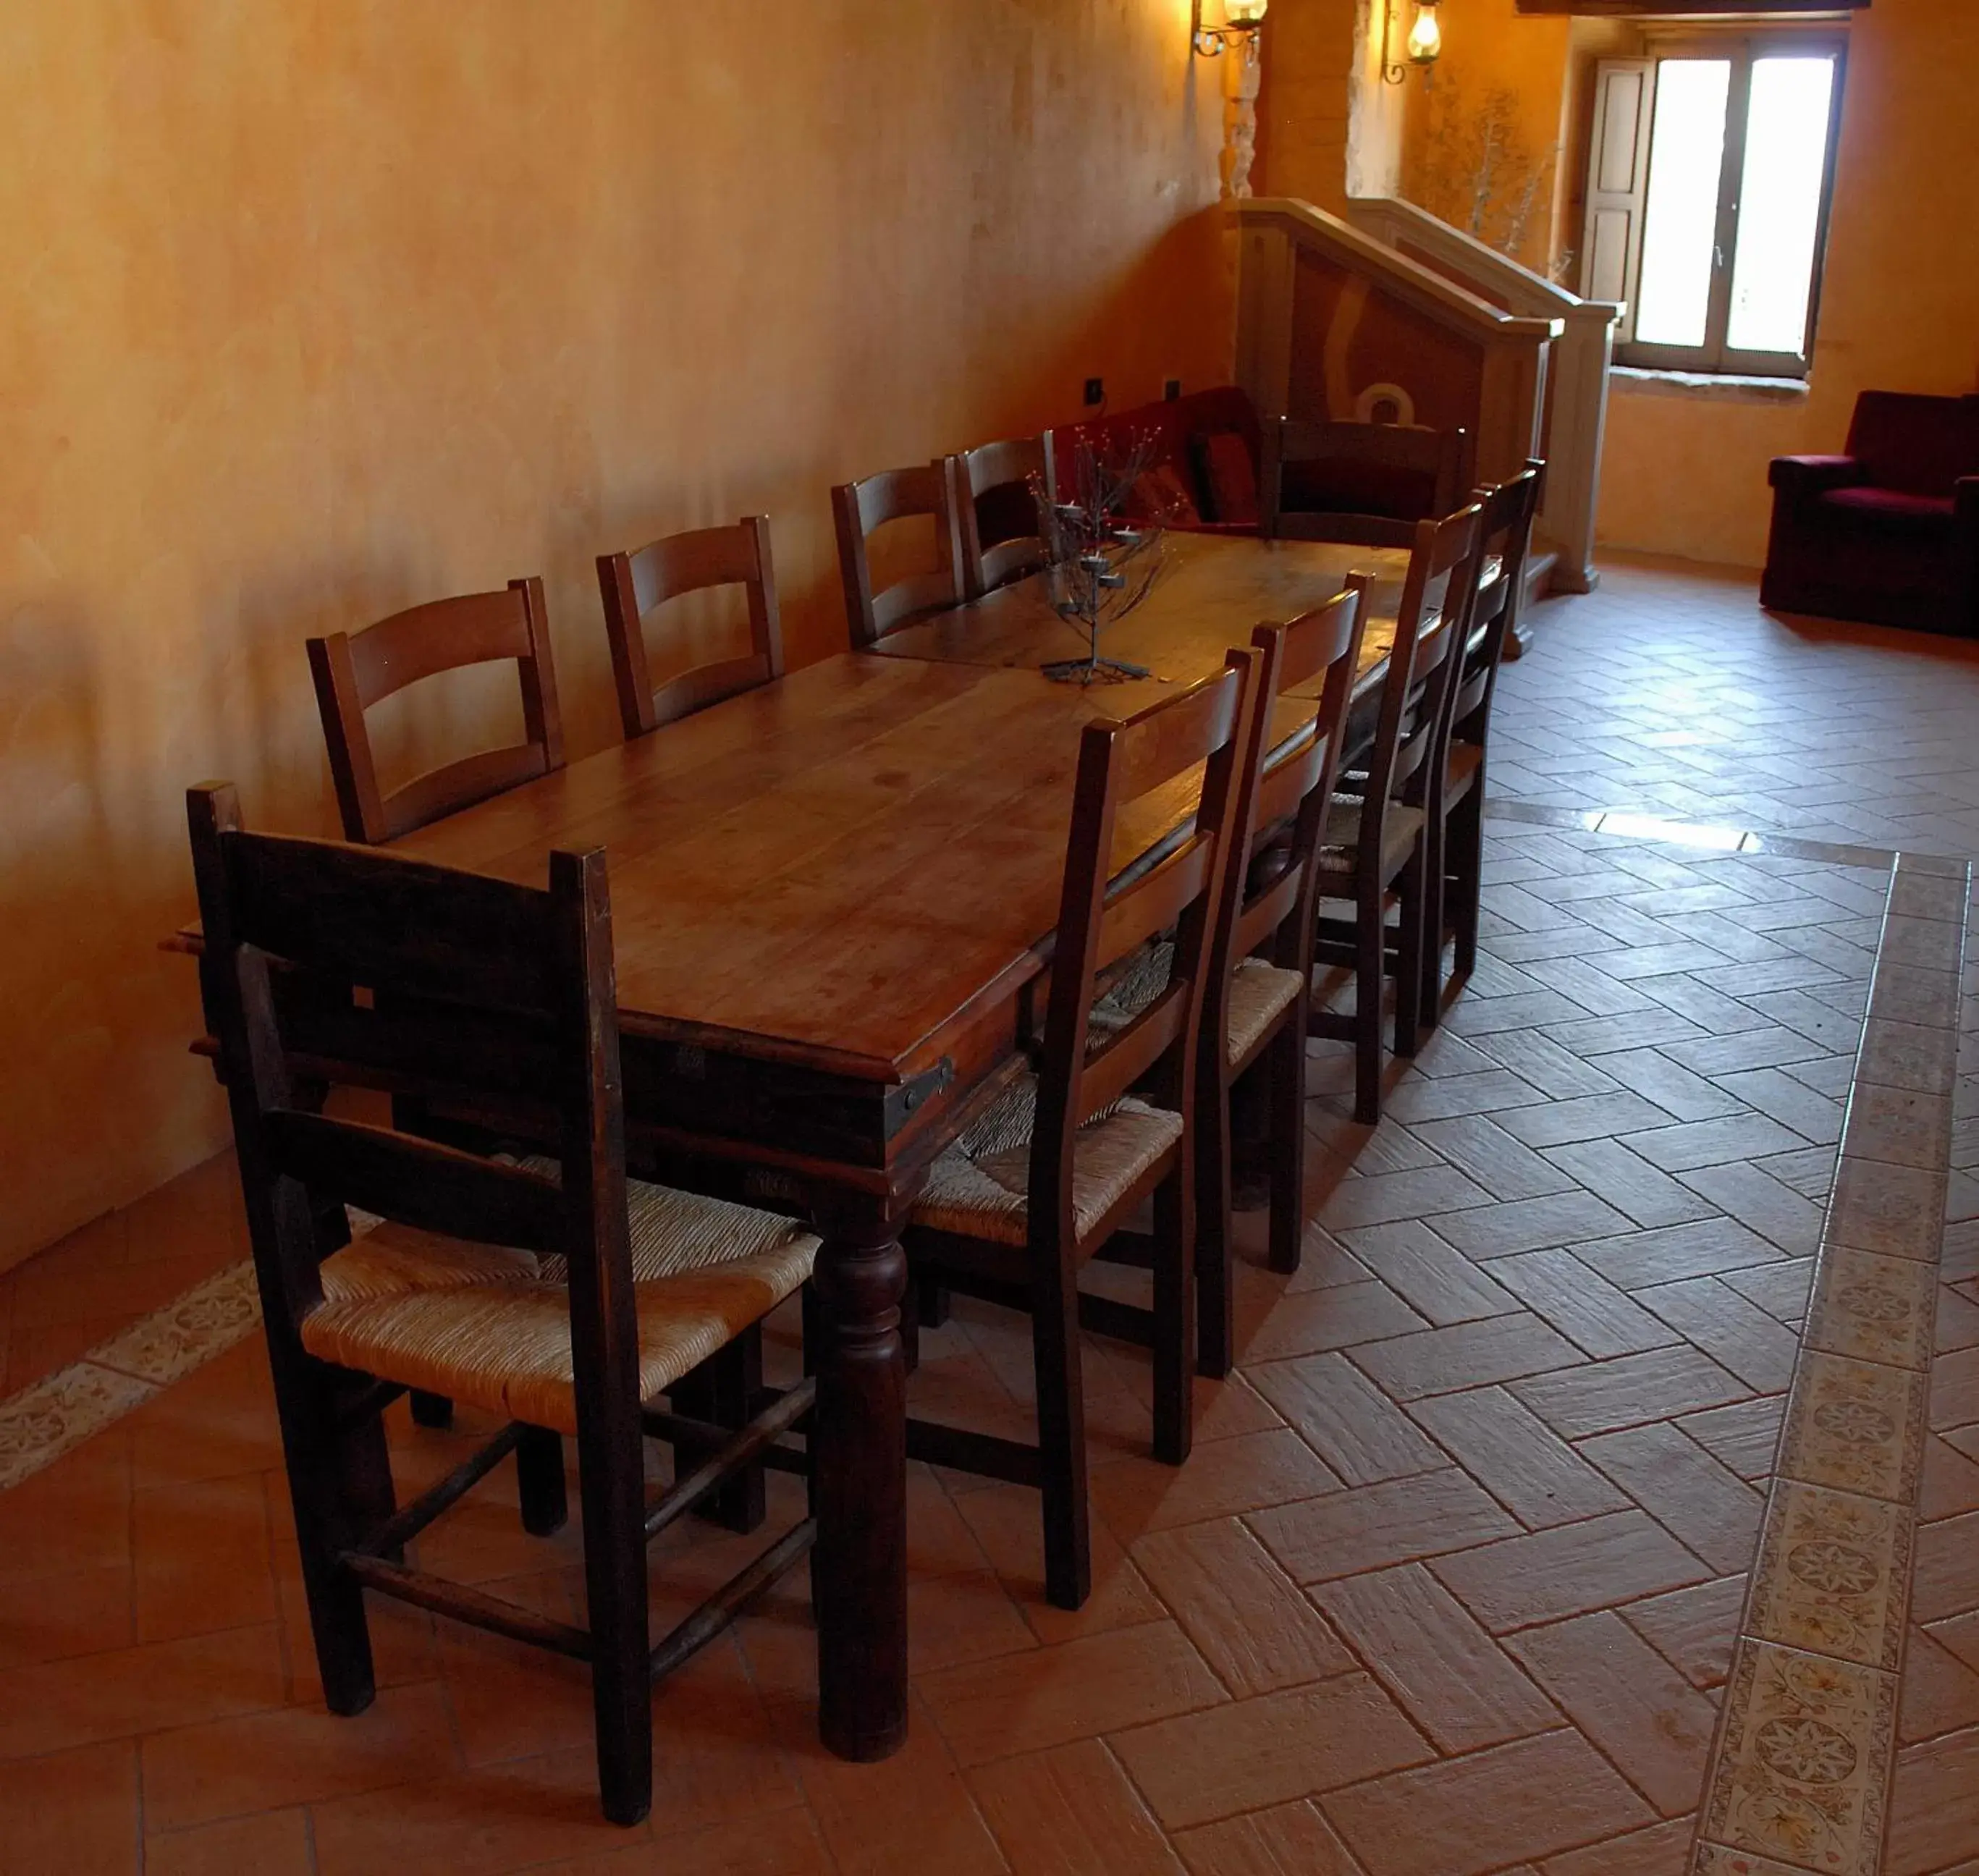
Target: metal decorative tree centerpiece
1098	567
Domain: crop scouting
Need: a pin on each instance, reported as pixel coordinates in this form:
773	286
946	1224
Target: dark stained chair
1456	814
1366	485
1261	985
860	509
1374	853
633	585
353	671
1055	1162
996	486
552	1293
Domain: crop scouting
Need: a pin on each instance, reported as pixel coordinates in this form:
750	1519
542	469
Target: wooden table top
841	864
1213	591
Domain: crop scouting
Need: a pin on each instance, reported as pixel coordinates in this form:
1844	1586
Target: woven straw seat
491	1326
1340	853
979	1187
1259	993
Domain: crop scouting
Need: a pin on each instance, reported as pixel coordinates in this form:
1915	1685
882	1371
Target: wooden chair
634	584
860	509
554	1293
1260	993
995	486
1374	851
354	671
1058	1161
1365	484
1457	817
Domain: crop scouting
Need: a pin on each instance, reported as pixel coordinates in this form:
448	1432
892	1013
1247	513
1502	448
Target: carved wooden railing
1576	413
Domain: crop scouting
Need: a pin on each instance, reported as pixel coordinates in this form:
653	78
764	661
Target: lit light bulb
1426	35
1245	13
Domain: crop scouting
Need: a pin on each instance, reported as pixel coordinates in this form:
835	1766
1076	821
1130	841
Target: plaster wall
316	310
1684	471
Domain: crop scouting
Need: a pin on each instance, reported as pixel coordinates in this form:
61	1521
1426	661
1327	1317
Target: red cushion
1891	510
1160	495
1919	445
1232	478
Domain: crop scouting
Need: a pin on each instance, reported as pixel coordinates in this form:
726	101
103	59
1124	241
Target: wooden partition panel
1574	415
1333	324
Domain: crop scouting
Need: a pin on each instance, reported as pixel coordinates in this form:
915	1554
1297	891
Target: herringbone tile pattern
1449	1586
1667	690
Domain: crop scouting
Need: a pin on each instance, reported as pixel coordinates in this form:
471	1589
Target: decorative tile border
55	1414
1799	1778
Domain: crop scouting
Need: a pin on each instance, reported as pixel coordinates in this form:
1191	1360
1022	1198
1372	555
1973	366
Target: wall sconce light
1242	20
1424	45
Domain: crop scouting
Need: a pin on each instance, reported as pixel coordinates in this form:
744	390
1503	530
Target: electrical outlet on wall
1171	388
1096	391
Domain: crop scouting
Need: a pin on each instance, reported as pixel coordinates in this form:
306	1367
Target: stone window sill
1714	384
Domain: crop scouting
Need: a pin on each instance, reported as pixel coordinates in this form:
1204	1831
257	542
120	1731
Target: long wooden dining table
833	900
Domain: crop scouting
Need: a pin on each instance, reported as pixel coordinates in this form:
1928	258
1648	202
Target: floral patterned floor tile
59	1412
1875	1308
1803	1778
1833	1577
1898	1211
189	1331
1857	1426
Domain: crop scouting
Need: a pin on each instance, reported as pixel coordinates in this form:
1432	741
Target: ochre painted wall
1506	71
1328	128
316	310
1685	473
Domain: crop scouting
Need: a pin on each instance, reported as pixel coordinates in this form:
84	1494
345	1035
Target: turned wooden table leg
859	1453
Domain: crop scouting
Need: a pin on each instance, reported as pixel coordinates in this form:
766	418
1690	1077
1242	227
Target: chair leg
1215	1335
1429	1006
1175	1319
611	1484
435	1410
1409	957
1367	1013
340	1486
1467	875
724	1390
1061	1434
539	1480
1285	1063
931	1302
814	1332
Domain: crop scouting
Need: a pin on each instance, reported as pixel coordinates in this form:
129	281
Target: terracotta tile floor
1667	690
1449	1587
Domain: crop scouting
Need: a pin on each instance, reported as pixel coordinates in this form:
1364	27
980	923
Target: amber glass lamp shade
1426	35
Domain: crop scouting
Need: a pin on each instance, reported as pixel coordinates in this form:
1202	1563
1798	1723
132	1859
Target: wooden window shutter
1618	185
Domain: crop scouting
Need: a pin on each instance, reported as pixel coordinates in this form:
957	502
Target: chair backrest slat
634	584
1294	782
1505	531
859	509
292	929
996	490
1175	880
1366	484
431	1188
354	671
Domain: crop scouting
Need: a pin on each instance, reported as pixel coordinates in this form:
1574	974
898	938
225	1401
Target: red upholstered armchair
1888	533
